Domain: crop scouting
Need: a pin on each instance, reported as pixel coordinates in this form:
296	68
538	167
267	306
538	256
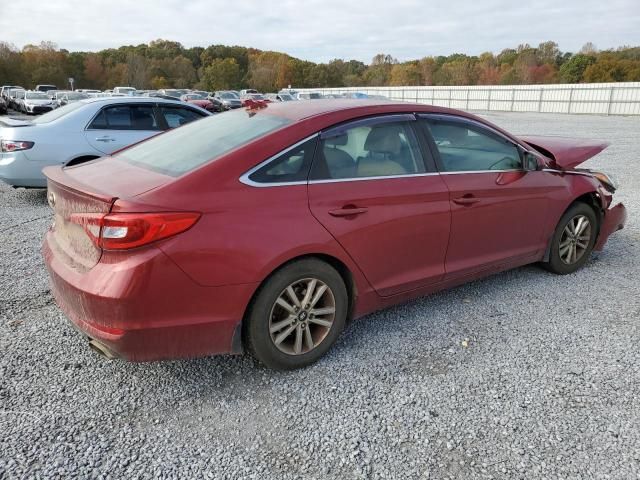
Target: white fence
588	98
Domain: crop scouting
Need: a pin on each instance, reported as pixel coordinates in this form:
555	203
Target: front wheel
573	240
297	315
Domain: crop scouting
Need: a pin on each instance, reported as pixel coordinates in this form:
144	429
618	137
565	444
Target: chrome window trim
485	171
381	177
103	107
568	172
247	181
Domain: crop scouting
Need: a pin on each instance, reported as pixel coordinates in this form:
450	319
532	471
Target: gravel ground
546	386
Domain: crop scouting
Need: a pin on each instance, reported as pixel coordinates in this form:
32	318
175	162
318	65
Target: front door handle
105	139
466	200
347	211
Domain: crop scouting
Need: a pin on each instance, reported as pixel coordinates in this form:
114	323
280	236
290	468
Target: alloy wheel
302	316
575	239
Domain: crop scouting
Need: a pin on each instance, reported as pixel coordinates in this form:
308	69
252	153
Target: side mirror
530	162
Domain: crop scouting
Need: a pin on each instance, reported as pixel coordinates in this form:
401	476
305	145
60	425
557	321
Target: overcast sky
321	30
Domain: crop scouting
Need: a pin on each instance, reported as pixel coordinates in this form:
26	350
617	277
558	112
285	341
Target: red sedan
266	230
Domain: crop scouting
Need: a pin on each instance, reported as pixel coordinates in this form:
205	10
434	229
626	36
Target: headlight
607	180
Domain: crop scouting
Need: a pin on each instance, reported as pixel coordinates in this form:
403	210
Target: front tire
297	315
573	239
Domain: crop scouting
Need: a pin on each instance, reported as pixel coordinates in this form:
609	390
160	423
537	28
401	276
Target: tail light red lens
122	231
14	145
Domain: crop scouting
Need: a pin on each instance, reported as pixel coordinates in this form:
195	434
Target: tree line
168	64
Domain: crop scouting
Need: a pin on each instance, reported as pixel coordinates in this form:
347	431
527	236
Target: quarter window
290	166
467	148
125	117
378	150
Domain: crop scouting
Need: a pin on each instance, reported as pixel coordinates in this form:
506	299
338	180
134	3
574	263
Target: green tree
221	74
572	70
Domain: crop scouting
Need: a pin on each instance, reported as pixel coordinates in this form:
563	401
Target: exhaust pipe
102	349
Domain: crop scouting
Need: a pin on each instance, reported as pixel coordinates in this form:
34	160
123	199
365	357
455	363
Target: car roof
131	100
304	109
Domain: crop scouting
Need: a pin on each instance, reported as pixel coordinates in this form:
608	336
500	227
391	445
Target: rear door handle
466	200
105	139
347	211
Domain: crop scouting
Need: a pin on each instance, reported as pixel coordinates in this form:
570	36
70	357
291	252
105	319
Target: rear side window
364	151
184	149
177	116
463	147
291	166
125	117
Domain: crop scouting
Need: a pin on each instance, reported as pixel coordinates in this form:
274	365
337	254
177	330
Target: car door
117	126
375	190
498	209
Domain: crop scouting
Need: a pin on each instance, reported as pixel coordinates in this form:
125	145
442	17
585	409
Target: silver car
82	131
36	102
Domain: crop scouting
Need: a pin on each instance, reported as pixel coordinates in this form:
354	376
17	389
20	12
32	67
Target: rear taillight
121	231
14	145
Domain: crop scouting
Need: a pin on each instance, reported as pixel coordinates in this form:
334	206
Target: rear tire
297	315
573	240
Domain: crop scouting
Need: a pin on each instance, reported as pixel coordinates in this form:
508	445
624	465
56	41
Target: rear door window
125	117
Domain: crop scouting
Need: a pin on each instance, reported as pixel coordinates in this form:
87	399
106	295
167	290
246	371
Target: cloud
321	30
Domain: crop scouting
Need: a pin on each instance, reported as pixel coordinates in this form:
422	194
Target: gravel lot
547	386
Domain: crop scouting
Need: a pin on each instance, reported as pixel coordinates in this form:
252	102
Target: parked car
87	90
64	98
4	91
199	100
15	97
254	100
247	91
279	97
266	230
36	102
173	92
82	131
3	106
45	88
124	90
226	100
309	96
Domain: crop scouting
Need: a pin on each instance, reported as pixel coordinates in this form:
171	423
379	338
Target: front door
498	210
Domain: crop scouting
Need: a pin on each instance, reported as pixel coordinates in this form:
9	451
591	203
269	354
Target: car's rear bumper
17	170
143	307
614	219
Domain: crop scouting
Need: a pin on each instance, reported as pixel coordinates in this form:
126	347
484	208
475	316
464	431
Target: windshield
186	148
194	96
228	96
36	96
285	97
257	96
57	113
126	89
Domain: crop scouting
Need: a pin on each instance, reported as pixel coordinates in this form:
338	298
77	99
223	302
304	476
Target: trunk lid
90	188
567	153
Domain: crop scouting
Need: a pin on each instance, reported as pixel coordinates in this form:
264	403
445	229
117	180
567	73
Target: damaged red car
265	230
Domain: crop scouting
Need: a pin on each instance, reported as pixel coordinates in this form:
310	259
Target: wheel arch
592	199
342	269
80	159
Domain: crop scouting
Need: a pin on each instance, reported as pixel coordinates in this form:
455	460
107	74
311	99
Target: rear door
373	189
117	126
498	210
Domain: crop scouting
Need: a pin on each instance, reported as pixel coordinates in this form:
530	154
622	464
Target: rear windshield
57	113
190	146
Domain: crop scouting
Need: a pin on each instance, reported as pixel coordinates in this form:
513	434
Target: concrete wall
589	98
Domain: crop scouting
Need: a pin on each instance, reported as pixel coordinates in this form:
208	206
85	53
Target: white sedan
83	131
